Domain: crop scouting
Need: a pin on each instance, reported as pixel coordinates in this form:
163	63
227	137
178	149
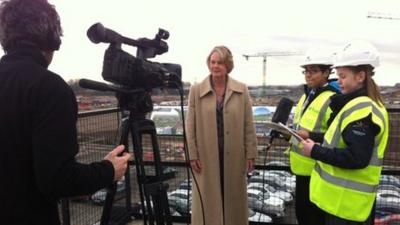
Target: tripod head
135	100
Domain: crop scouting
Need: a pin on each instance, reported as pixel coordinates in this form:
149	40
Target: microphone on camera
98	33
94	85
281	115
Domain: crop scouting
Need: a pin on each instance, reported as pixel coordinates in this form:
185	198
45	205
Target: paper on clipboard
283	129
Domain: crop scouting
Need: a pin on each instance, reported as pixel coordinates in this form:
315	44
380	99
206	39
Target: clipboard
283	129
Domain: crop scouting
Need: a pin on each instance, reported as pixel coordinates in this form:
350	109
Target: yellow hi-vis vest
350	193
313	119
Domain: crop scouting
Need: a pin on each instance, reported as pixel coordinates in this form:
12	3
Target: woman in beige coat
222	143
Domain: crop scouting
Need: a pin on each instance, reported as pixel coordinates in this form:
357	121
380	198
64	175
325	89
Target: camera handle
152	190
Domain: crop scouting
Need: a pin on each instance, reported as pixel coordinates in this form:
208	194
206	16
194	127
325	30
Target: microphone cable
271	139
187	159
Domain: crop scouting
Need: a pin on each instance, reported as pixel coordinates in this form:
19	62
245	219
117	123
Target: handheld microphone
281	115
282	111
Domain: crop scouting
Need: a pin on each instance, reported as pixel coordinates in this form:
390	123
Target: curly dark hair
29	21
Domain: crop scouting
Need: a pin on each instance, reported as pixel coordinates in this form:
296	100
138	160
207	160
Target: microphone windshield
282	111
98	33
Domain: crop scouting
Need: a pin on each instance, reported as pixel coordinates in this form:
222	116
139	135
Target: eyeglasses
311	72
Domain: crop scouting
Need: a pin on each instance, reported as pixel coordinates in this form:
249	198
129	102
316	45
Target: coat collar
27	52
231	86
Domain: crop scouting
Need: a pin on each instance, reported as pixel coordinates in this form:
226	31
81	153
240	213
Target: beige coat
240	145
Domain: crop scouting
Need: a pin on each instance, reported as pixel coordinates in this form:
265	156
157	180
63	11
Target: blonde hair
373	90
225	55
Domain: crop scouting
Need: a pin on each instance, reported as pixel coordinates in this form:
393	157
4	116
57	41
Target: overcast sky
246	27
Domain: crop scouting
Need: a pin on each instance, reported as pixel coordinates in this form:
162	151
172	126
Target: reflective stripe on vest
345	183
297	112
313	119
350	193
337	134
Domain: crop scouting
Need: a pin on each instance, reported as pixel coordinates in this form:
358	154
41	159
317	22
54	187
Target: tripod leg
111	190
162	197
141	174
152	189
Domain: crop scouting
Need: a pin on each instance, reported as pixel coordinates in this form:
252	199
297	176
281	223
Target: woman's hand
250	165
303	133
308	144
196	165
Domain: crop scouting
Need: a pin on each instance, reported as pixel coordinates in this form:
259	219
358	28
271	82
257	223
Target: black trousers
307	213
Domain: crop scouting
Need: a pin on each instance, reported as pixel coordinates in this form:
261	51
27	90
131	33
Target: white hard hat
357	53
318	56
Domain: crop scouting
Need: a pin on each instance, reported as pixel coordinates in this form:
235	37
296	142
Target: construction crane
264	55
380	15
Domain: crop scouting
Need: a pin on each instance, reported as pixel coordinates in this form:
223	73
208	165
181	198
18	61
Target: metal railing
97	135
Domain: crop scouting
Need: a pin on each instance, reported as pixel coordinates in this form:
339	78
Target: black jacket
359	136
38	139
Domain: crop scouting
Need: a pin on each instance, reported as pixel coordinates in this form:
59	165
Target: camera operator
38	117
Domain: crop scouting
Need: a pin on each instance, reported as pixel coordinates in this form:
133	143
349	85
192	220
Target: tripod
152	190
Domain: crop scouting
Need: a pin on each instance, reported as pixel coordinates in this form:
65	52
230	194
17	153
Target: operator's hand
303	133
196	165
307	146
250	165
120	163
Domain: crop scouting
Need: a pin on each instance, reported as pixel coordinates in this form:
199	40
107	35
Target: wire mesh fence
272	180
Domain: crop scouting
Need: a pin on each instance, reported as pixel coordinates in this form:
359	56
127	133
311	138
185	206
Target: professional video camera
135	74
132	79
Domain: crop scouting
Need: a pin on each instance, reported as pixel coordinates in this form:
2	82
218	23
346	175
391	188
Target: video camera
136	72
135	76
132	79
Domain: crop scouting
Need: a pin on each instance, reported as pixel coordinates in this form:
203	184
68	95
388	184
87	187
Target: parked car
270	180
275	181
277	163
180	205
185	185
282	173
169	169
388	193
392	219
99	197
389	179
288	180
260	186
173	212
262	202
388	201
260	206
389	187
181	193
285	196
259	217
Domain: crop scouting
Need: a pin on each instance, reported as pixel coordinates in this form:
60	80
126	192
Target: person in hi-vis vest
310	121
349	161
